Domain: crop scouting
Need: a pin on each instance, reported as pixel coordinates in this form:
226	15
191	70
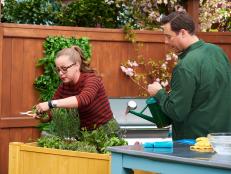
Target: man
200	98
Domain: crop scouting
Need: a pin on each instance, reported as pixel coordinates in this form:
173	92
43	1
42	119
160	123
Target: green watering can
158	117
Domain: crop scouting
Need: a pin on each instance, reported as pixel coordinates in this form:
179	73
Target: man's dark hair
179	20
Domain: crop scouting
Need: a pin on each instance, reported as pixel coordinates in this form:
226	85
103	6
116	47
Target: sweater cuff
79	101
160	94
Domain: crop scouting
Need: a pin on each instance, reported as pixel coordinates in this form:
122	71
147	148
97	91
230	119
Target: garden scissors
29	113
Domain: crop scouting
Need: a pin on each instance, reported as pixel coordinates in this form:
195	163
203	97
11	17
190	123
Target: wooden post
0	10
193	9
14	158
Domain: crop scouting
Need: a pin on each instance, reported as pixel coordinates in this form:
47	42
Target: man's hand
154	88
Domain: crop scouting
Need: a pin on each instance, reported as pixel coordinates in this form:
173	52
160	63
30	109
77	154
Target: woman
81	88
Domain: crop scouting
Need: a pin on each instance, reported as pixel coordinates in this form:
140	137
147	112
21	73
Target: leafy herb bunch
48	82
64	132
58	143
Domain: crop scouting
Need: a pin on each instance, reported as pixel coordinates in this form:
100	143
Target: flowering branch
133	80
144	72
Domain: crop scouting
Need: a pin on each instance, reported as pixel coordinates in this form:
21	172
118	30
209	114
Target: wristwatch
52	104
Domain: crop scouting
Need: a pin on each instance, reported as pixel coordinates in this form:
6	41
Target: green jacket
200	98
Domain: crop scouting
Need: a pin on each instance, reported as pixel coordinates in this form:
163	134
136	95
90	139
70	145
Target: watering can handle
151	100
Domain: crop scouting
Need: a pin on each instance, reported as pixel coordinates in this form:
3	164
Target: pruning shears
29	113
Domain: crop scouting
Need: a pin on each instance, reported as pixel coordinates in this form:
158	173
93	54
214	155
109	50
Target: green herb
102	138
50	142
65	144
65	123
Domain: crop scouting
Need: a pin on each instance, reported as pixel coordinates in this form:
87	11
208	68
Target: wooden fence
21	46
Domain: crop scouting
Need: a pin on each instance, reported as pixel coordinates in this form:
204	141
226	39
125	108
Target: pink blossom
165	1
164	66
159	1
135	64
123	68
128	71
164	84
132	63
157	80
175	56
168	57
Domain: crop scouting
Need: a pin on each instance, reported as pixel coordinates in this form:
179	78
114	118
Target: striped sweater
93	104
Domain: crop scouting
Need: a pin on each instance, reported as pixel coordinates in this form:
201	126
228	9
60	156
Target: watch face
54	103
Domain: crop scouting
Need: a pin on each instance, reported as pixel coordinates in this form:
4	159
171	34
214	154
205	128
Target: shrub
215	15
89	13
31	11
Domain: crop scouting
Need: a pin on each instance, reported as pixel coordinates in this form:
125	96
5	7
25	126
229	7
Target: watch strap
50	105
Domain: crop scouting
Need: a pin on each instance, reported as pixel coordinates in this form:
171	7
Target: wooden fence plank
27	134
33	50
193	10
1	65
15	134
17	61
6	82
227	49
35	134
4	139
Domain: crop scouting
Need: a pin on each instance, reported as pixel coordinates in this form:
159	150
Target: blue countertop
179	153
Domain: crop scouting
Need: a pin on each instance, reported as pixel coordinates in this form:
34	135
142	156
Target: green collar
191	47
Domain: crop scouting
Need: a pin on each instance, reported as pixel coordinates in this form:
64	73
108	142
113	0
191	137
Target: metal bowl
221	142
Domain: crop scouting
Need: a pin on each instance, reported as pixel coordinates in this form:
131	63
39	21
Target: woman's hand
41	108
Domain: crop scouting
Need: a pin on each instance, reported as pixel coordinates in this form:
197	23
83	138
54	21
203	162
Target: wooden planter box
27	158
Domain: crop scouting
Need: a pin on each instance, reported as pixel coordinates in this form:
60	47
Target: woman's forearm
69	102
